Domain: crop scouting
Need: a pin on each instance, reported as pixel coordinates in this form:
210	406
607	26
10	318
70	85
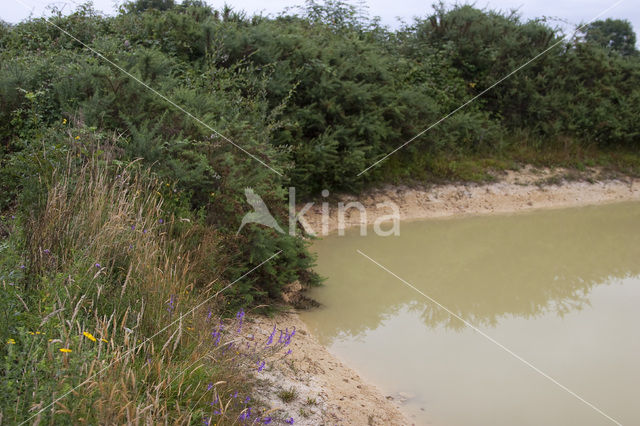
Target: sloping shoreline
513	191
327	392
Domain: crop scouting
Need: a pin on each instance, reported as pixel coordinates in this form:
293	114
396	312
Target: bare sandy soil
513	191
329	392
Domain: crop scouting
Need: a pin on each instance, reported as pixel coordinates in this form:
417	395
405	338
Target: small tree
614	34
142	5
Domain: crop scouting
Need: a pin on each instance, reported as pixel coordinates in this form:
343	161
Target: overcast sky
572	11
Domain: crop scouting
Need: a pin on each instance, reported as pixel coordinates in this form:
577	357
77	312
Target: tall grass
98	290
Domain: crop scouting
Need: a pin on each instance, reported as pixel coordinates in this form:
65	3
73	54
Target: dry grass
103	260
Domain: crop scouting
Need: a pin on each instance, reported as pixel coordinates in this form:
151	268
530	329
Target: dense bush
317	96
321	94
578	89
205	174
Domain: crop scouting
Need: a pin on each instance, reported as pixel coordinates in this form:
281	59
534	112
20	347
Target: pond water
559	288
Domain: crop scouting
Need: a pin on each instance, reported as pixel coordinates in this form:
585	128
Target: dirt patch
513	191
314	387
294	295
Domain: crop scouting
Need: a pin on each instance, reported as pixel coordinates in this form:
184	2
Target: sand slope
513	191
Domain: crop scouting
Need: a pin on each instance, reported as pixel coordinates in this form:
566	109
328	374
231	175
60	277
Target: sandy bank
327	391
513	191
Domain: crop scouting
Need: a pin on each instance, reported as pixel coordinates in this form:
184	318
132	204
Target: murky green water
559	288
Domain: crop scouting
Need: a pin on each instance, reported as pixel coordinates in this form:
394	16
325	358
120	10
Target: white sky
572	11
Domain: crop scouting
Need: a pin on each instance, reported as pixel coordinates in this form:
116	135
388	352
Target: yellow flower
65	350
89	336
472	85
77	138
105	340
64	121
11	342
190	328
31	333
37	332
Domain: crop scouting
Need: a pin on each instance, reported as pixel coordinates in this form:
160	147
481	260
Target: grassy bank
111	312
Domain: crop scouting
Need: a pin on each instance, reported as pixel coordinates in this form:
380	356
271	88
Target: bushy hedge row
318	95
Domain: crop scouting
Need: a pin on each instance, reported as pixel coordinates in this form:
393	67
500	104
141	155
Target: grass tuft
288	395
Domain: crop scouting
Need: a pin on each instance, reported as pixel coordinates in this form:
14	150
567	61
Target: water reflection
482	268
559	288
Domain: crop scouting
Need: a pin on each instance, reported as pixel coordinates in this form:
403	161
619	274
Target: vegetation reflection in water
523	278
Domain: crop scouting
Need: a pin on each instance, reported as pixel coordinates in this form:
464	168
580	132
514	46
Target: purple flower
260	366
246	414
288	337
160	221
240	317
144	231
290	421
266	420
235	395
271	337
247	399
13	217
133	227
216	335
171	304
46	251
210	386
206	421
288	352
22	266
97	265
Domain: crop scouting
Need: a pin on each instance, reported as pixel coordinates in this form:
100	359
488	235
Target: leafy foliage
322	93
614	34
318	95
